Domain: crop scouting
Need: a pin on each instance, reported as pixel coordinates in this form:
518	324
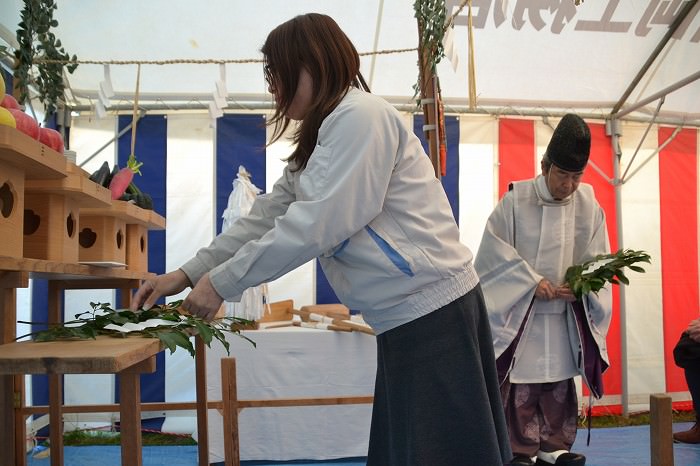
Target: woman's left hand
203	301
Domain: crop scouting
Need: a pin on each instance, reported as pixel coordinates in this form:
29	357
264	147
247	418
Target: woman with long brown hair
359	193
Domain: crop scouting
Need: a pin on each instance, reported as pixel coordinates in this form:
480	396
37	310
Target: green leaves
40	56
593	275
90	324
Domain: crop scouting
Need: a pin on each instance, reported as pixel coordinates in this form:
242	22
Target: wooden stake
661	430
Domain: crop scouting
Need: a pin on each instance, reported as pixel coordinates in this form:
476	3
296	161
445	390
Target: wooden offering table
127	357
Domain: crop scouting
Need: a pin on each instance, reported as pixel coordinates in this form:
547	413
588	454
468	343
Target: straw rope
188	61
135	117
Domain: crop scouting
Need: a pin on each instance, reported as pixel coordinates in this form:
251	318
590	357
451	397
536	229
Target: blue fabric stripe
391	253
451	180
240	140
40	313
151	149
324	291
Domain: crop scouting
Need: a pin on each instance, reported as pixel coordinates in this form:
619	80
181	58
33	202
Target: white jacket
369	206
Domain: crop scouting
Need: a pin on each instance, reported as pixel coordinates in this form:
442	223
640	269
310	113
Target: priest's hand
203	301
545	290
154	288
565	293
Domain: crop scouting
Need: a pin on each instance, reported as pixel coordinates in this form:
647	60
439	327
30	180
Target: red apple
51	138
25	123
9	102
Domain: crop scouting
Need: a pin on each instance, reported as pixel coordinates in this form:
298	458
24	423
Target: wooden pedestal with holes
106	224
11	210
50	227
51	214
102	239
21	159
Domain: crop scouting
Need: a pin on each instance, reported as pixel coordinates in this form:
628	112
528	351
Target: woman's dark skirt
437	400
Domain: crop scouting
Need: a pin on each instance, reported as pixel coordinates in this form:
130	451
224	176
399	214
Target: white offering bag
254	300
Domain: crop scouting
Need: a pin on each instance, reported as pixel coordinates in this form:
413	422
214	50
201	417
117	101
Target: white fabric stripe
478	143
641	230
88	135
190	187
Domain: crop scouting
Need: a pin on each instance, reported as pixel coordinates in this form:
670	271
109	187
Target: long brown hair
315	42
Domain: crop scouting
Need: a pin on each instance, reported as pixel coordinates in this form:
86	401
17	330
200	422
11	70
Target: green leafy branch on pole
40	50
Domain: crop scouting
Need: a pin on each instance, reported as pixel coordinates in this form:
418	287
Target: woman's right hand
161	285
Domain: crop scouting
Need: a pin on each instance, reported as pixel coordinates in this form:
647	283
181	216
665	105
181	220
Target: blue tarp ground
620	446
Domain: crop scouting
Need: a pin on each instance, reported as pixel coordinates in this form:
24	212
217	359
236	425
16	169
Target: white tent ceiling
530	56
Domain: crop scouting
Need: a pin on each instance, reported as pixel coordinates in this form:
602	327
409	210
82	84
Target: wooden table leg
11	439
56	418
202	413
229	396
7	427
130	411
20	423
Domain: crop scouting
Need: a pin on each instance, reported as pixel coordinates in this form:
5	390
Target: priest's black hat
570	145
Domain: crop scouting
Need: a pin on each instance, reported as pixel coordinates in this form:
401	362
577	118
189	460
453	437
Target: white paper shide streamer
253	300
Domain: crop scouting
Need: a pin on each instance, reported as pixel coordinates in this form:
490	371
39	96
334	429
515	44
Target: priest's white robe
530	236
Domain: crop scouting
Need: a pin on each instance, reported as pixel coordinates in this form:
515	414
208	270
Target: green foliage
431	17
90	324
594	274
39	49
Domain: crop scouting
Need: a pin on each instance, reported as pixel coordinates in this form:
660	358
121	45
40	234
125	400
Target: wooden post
200	356
660	430
56	419
12	431
130	411
229	395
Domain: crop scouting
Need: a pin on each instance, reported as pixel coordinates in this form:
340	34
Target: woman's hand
162	285
203	301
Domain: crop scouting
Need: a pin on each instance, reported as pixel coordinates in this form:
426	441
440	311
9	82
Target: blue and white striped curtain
189	168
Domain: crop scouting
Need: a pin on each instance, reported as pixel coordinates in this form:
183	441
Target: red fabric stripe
602	157
678	192
516	151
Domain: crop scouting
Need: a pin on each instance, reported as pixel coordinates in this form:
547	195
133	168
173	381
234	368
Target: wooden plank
129	213
104	355
76	185
38	161
53	270
661	429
